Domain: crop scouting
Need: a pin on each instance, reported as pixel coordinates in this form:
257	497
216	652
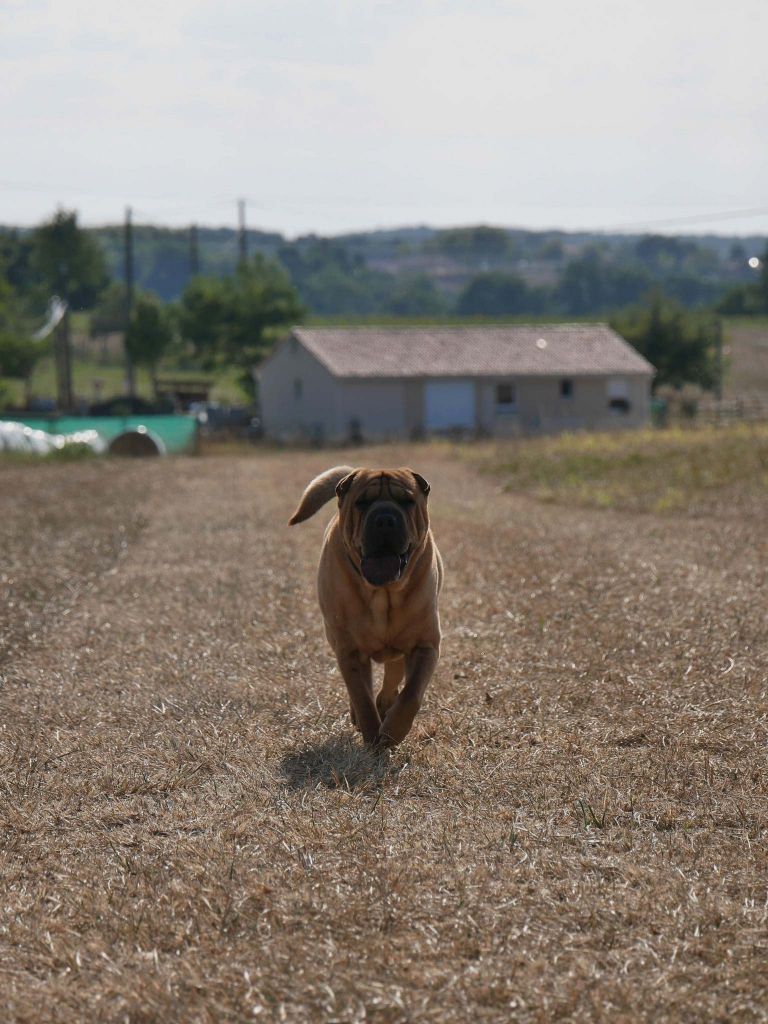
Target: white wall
540	408
327	406
387	408
311	415
379	406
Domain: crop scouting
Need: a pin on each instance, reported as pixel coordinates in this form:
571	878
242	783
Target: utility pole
129	373
62	346
63	359
719	369
194	252
242	238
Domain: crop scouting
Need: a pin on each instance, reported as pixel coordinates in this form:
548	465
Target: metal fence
695	411
752	408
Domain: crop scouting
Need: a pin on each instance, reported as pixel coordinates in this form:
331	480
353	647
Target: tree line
219	321
231	318
473	271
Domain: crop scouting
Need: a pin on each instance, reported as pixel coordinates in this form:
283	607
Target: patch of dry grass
576	828
746	343
60	527
647	470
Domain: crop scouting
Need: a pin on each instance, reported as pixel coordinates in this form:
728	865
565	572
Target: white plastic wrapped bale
17	437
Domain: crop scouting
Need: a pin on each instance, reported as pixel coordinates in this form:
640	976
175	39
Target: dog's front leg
393	676
358	675
419	669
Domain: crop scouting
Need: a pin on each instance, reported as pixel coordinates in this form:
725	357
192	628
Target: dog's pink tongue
379	570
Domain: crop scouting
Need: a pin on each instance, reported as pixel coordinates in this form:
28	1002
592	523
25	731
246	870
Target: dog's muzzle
385	544
379	570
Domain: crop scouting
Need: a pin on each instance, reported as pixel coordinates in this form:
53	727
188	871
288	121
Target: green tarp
178	433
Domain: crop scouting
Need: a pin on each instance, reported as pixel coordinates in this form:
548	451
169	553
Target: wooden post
194	252
129	371
718	329
63	359
242	237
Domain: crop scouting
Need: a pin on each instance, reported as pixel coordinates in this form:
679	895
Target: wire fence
732	410
700	412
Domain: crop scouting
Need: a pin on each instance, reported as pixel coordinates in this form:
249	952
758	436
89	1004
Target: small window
618	396
566	388
619	405
505	397
298	388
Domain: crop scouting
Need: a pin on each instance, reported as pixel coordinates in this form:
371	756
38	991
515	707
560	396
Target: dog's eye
363	503
407	502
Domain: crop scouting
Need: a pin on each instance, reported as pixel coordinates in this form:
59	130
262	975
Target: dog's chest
379	610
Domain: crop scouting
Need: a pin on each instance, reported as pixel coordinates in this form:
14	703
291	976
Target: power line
295	203
699	218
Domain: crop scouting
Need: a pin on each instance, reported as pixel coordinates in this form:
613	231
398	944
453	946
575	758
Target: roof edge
299	332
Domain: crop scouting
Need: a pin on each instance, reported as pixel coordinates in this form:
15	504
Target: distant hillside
465	271
473	270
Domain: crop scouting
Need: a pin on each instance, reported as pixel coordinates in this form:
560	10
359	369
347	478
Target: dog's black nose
385	522
385	529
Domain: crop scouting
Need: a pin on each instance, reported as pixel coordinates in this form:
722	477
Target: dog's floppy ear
344	484
423	484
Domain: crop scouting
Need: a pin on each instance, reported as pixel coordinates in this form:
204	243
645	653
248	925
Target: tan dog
379	576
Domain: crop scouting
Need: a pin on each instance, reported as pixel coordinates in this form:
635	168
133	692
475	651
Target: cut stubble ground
575	829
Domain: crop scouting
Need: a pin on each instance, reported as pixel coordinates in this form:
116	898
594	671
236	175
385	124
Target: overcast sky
333	116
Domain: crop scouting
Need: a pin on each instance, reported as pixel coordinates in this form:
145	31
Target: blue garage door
449	404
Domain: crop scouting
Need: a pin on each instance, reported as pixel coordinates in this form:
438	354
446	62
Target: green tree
331	278
19	356
680	344
332	290
15	259
748	299
19	353
108	315
595	282
742	300
478	242
495	294
10	307
231	321
263	298
582	288
204	313
415	295
69	261
149	334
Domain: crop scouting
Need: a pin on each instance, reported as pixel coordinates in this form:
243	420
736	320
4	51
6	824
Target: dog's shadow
337	764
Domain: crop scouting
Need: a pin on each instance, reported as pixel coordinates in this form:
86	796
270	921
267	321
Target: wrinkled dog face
384	520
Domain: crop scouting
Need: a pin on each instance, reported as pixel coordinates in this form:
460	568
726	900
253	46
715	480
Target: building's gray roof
472	351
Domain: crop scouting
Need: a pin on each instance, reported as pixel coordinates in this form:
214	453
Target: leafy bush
681	345
18	355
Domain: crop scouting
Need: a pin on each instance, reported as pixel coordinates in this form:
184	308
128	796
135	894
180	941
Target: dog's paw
397	723
385	742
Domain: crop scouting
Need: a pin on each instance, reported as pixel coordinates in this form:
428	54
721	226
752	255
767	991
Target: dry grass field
746	342
575	829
